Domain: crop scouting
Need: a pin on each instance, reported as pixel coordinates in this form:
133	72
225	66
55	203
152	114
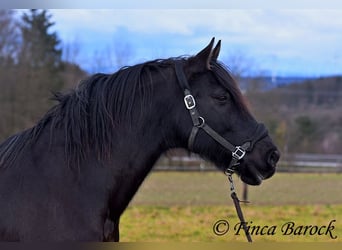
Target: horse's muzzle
273	158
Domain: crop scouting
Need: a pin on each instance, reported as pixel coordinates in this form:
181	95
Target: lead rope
237	207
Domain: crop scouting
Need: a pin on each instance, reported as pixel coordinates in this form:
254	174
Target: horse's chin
254	180
249	172
252	176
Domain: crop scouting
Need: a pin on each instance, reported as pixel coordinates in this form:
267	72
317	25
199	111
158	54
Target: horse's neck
133	159
138	148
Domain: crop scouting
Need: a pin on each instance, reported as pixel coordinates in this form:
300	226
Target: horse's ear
201	61
204	56
216	51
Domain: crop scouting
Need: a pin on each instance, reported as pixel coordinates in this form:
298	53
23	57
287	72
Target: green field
184	206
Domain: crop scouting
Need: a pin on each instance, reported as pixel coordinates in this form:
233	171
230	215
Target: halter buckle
239	153
189	101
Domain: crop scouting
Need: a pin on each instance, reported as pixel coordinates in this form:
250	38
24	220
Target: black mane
90	113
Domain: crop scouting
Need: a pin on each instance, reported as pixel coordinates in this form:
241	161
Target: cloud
253	23
308	36
157	4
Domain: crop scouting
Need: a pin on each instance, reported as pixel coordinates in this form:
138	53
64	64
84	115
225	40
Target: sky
274	41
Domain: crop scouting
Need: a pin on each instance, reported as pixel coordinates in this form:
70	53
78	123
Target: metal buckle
189	101
239	153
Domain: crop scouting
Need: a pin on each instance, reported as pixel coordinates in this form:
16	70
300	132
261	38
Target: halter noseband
238	152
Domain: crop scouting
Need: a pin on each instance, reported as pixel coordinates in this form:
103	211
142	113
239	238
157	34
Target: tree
245	72
40	64
40	48
72	72
123	53
31	66
40	53
9	38
113	57
9	47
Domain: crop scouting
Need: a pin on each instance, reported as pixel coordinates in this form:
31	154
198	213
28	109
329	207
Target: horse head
217	122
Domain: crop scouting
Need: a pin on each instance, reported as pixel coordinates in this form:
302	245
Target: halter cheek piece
238	152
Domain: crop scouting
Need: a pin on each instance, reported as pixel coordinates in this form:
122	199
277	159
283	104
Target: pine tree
40	48
39	63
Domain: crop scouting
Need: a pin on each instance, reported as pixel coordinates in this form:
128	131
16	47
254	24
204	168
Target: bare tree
9	37
245	71
72	73
112	57
123	52
9	48
240	64
71	51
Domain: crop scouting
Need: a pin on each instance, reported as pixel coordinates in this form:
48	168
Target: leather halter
238	152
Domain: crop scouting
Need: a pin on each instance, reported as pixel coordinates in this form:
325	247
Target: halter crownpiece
238	152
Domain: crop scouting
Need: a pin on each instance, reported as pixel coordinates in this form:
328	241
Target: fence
319	163
311	163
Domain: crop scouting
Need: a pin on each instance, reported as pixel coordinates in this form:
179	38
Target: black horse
72	175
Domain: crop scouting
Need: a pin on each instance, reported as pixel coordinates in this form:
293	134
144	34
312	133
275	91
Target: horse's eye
221	98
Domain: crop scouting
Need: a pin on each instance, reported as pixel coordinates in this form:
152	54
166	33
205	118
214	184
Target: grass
211	188
183	207
195	223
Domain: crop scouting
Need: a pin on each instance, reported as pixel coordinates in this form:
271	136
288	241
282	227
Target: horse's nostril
273	158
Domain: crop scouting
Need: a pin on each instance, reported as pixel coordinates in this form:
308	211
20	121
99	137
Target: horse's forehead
222	80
